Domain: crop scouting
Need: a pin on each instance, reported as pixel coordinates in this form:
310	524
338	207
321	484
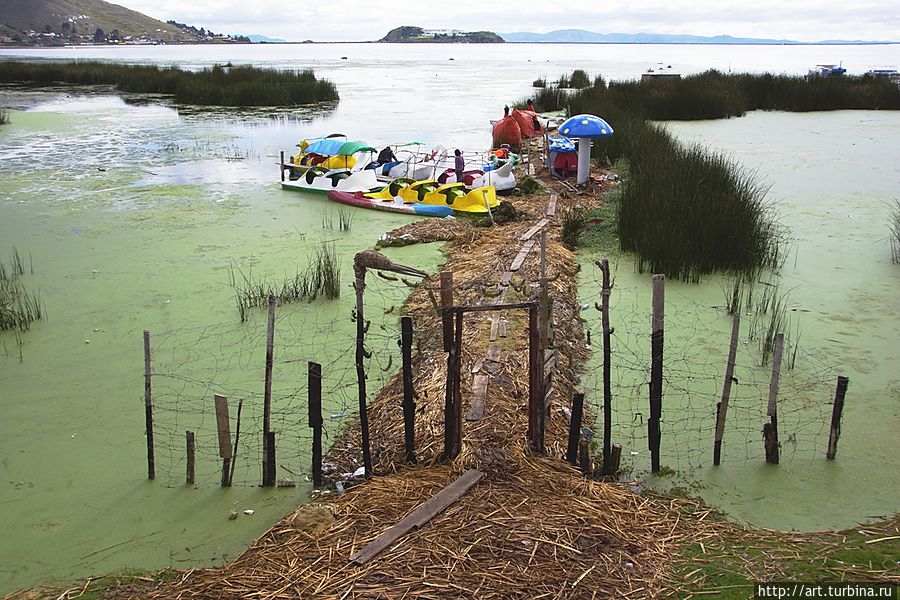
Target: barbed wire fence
192	364
696	350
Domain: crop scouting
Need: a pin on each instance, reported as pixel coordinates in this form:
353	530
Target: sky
362	20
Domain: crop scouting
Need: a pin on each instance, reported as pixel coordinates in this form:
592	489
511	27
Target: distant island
581	36
411	34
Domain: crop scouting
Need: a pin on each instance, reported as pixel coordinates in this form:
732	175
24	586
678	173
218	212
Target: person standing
459	165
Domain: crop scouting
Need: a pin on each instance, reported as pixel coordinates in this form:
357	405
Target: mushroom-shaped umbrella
584	127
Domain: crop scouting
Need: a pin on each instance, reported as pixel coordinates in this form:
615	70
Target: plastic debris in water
249	511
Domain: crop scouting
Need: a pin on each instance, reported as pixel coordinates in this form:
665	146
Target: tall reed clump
322	277
218	85
684	211
895	233
18	307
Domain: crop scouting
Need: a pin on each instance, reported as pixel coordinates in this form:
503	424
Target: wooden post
223	425
409	404
237	436
314	392
616	458
452	394
148	408
722	408
656	369
835	433
536	410
281	166
770	429
360	285
446	304
270	465
189	435
268	479
575	427
607	368
584	457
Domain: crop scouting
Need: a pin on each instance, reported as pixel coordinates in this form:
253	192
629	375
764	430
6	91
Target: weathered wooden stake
835	433
282	165
656	369
536	409
223	425
270	464
409	404
575	427
148	408
446	304
268	479
189	435
360	285
722	408
616	458
770	429
314	394
237	437
584	457
605	292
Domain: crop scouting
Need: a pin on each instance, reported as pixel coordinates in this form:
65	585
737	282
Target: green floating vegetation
322	277
18	307
216	86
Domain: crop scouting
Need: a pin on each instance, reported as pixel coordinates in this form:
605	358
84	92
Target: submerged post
189	438
836	412
770	429
656	369
605	292
360	286
237	437
268	478
148	408
409	405
314	391
223	425
722	408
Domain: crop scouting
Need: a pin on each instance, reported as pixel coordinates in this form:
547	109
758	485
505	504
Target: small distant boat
826	71
362	200
890	74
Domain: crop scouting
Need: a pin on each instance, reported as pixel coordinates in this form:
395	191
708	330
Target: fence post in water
575	428
148	408
281	166
270	462
237	436
656	369
536	408
268	479
409	405
360	287
314	391
835	433
607	368
189	435
770	429
223	425
722	408
615	458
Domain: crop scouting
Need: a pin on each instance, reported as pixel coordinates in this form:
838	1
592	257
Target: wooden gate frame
453	319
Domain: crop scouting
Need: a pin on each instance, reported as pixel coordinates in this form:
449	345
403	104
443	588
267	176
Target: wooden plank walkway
421	515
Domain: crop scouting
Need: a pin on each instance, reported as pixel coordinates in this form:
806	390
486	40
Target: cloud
359	20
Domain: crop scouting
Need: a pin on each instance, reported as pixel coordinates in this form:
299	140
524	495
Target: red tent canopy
507	131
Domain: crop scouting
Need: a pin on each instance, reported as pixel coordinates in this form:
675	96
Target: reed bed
215	86
322	277
18	307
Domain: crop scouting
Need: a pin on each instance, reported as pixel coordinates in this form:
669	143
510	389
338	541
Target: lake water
136	216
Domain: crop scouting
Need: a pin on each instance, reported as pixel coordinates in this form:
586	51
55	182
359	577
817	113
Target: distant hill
575	36
412	34
261	39
57	22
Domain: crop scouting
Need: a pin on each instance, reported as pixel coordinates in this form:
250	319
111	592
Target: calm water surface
133	215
